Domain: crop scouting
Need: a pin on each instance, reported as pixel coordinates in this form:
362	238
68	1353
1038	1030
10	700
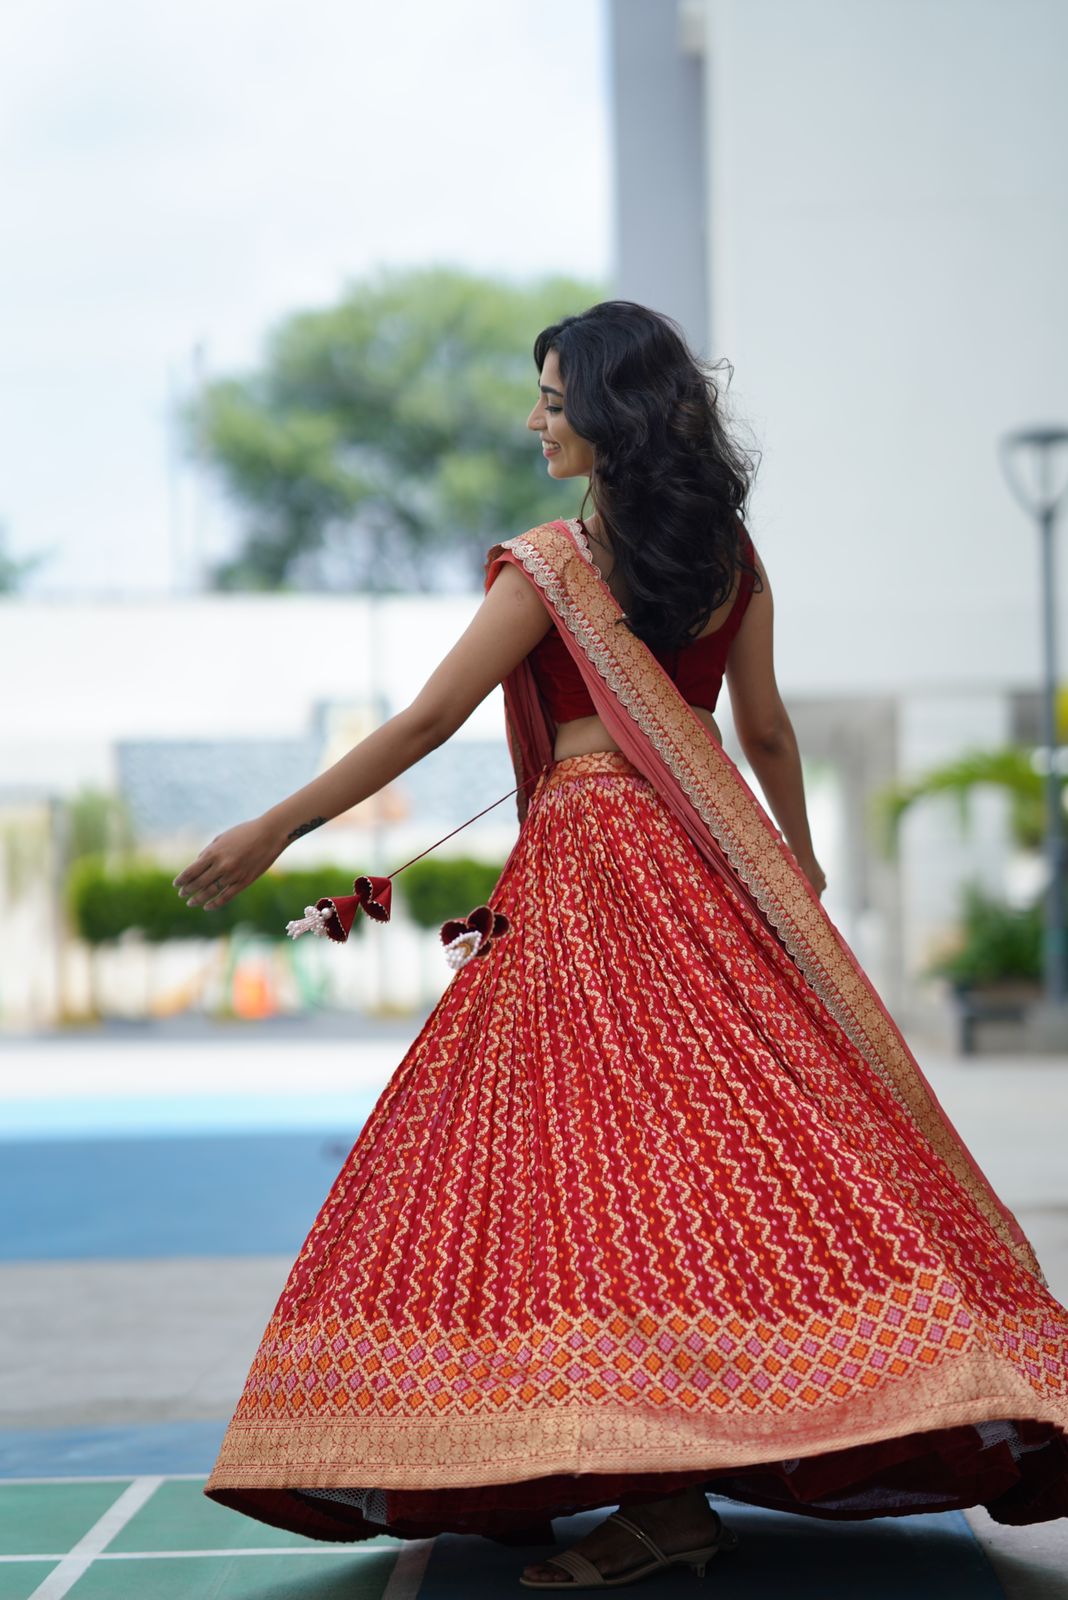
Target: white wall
888	209
78	675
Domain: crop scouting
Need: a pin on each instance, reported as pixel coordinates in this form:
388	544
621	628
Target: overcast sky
184	175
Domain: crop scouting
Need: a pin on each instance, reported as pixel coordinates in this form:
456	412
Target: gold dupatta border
556	557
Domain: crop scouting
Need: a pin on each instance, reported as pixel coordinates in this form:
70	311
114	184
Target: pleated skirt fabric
631	1213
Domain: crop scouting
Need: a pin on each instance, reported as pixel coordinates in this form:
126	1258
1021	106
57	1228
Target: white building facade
879	213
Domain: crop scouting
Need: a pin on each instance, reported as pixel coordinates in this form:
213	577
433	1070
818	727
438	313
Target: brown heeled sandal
586	1576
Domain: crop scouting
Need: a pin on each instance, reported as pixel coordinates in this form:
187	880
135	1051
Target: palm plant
1013	769
995	943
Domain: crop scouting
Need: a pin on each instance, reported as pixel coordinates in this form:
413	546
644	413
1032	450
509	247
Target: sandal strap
574	1562
640	1533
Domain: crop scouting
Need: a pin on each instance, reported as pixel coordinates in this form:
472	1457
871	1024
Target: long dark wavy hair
669	483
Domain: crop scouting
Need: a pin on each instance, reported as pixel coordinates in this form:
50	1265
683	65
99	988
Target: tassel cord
468	937
462	825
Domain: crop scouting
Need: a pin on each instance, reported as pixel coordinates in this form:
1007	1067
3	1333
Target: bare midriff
583	736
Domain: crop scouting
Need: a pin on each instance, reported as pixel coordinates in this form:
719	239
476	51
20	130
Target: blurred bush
434	891
105	901
995	943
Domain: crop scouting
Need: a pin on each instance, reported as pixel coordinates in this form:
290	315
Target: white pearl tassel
313	921
458	951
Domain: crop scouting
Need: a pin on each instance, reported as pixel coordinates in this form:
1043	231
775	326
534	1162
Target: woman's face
567	454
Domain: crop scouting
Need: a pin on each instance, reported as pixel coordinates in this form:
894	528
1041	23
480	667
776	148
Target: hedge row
105	901
436	890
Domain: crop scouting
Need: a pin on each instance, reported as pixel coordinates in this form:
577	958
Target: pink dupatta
658	731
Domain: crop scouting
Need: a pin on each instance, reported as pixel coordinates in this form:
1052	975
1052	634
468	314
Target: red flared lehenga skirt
632	1213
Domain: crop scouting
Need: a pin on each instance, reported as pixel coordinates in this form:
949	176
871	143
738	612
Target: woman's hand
227	865
813	872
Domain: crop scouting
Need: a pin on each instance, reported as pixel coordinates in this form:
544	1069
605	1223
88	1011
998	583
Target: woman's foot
683	1521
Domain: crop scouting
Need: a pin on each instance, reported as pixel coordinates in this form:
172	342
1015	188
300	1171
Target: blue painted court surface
134	1199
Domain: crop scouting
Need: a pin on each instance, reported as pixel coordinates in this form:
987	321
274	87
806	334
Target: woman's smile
549	412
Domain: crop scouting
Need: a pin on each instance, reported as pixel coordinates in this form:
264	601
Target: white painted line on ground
100	1535
183	1555
407	1576
111	1477
403	1584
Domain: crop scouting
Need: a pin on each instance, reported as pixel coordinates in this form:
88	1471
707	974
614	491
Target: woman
658	1201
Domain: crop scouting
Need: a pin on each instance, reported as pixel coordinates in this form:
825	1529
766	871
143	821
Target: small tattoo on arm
305	827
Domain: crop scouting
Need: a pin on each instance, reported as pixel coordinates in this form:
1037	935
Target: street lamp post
1042	501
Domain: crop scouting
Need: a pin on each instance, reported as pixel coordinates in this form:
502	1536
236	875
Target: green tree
13	569
97	822
382	444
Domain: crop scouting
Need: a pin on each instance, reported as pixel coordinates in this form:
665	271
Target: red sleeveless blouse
697	669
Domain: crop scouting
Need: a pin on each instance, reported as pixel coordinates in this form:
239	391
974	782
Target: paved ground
235	1134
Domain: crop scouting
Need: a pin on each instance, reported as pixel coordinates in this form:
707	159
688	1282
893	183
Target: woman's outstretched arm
508	624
